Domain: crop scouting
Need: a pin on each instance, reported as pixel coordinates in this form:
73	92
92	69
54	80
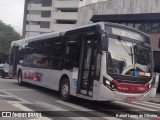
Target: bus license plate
130	99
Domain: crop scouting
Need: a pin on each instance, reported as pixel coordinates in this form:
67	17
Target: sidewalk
6	106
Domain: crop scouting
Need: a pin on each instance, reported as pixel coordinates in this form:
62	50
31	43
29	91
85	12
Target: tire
65	90
20	82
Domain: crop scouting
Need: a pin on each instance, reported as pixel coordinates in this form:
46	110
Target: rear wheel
20	82
65	89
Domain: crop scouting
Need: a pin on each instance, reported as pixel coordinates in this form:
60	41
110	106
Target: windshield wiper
130	53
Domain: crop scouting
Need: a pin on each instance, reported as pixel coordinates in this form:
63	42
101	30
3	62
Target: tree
7	35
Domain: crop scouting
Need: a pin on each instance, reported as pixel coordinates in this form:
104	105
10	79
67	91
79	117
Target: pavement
16	111
157	98
13	107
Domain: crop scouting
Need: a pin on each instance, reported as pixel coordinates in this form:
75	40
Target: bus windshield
128	58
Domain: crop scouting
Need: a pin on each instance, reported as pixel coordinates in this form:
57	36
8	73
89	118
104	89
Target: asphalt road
41	99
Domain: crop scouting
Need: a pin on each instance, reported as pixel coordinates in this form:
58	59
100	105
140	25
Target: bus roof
63	32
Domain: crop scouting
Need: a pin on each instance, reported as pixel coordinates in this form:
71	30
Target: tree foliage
7	35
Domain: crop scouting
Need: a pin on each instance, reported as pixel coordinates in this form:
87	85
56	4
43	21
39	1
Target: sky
11	12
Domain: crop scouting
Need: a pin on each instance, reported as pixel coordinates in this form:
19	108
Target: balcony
65	15
34	7
70	4
37	28
38	7
57	27
34	17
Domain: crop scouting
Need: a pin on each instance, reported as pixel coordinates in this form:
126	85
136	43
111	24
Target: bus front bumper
105	94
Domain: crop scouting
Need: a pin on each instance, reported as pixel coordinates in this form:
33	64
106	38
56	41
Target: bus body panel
48	78
51	77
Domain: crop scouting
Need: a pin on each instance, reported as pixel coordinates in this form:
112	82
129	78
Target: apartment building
43	16
65	14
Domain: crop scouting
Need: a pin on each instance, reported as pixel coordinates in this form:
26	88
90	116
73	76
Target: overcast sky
11	12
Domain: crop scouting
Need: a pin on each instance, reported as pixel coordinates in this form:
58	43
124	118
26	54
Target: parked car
4	70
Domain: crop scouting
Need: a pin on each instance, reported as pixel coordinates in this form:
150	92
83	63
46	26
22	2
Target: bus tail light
109	84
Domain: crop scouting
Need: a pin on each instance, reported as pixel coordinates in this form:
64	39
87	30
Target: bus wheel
20	82
65	89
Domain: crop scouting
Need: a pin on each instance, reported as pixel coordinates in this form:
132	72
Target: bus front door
87	66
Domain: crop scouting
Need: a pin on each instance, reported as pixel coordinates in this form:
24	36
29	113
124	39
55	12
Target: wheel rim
65	90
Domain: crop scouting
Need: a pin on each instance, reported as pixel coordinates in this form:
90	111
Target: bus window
72	53
57	54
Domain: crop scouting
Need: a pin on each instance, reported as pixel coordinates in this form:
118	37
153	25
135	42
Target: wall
85	13
117	7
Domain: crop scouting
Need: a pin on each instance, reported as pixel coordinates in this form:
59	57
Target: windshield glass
128	58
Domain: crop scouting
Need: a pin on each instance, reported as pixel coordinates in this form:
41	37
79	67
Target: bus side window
72	53
57	56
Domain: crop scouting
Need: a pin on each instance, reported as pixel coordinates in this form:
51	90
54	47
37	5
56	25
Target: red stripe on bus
129	88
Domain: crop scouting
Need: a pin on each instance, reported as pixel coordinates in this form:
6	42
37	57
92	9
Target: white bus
101	61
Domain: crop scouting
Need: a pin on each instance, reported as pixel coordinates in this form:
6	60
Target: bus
100	61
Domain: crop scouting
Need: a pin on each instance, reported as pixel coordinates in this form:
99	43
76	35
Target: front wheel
65	90
20	82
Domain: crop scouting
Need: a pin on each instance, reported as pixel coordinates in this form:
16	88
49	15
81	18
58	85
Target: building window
65	22
67	10
46	14
130	25
139	26
47	3
34	1
45	24
148	27
155	27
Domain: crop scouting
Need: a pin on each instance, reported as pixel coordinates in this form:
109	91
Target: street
34	98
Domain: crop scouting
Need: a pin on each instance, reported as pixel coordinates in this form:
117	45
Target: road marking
151	103
20	106
73	106
24	108
54	108
137	106
84	109
147	105
14	96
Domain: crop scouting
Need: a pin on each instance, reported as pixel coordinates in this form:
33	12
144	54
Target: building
37	17
43	16
140	14
65	14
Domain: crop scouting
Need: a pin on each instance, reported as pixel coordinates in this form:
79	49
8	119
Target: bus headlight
108	84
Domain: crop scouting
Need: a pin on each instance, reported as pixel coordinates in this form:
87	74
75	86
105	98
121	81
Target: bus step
84	96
